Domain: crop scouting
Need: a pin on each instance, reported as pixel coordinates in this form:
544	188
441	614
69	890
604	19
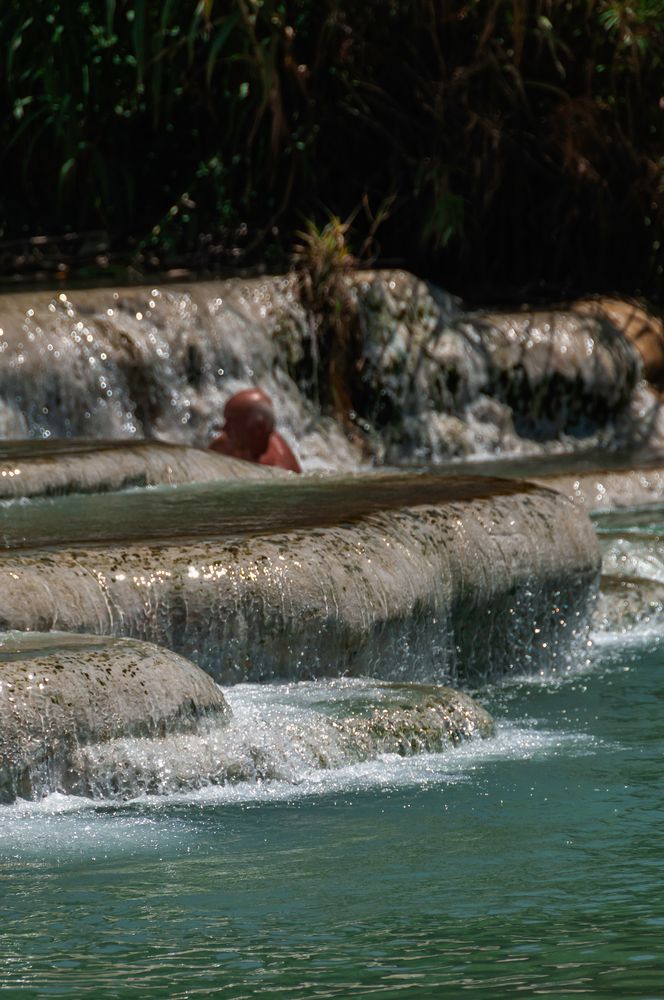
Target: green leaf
138	38
65	171
166	12
195	23
110	16
15	44
219	39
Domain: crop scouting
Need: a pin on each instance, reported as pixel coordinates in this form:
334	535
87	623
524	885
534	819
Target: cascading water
429	381
94	716
496	578
319	840
632	593
413	577
324	835
285	735
60	693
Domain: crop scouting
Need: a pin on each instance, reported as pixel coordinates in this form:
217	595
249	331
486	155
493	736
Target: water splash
286	734
630	604
471	589
432	382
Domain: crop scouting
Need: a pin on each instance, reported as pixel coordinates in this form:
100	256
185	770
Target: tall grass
495	145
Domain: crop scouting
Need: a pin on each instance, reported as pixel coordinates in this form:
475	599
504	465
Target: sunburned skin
249	433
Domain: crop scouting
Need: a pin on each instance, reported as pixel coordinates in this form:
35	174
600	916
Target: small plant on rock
322	262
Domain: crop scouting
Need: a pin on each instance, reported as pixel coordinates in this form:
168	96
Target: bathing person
249	433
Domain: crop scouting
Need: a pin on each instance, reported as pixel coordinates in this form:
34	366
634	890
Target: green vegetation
497	146
321	259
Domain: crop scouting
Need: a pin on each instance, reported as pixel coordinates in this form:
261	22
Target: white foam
67	825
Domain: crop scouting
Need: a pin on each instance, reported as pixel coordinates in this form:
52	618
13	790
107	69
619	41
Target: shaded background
501	148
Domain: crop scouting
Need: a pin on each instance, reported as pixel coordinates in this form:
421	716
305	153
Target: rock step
59	692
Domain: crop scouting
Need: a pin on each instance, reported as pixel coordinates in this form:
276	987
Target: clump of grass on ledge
322	261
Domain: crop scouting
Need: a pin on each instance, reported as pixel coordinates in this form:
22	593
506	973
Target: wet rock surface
428	379
459	580
288	736
54	467
425	592
60	692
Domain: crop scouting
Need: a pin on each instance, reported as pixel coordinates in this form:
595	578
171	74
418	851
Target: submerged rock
60	692
286	734
419	718
470	587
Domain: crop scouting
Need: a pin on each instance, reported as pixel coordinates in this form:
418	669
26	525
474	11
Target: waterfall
429	381
492	579
59	693
117	534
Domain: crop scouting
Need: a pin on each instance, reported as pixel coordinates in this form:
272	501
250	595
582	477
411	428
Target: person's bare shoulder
279	454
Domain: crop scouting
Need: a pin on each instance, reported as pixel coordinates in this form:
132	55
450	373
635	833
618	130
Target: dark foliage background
504	148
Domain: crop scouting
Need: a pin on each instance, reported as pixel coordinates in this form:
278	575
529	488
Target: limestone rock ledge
425	381
59	692
471	587
56	467
286	741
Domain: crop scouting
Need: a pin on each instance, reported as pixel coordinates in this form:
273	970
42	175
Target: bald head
249	420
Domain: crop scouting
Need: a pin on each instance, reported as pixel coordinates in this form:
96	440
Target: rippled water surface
529	864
